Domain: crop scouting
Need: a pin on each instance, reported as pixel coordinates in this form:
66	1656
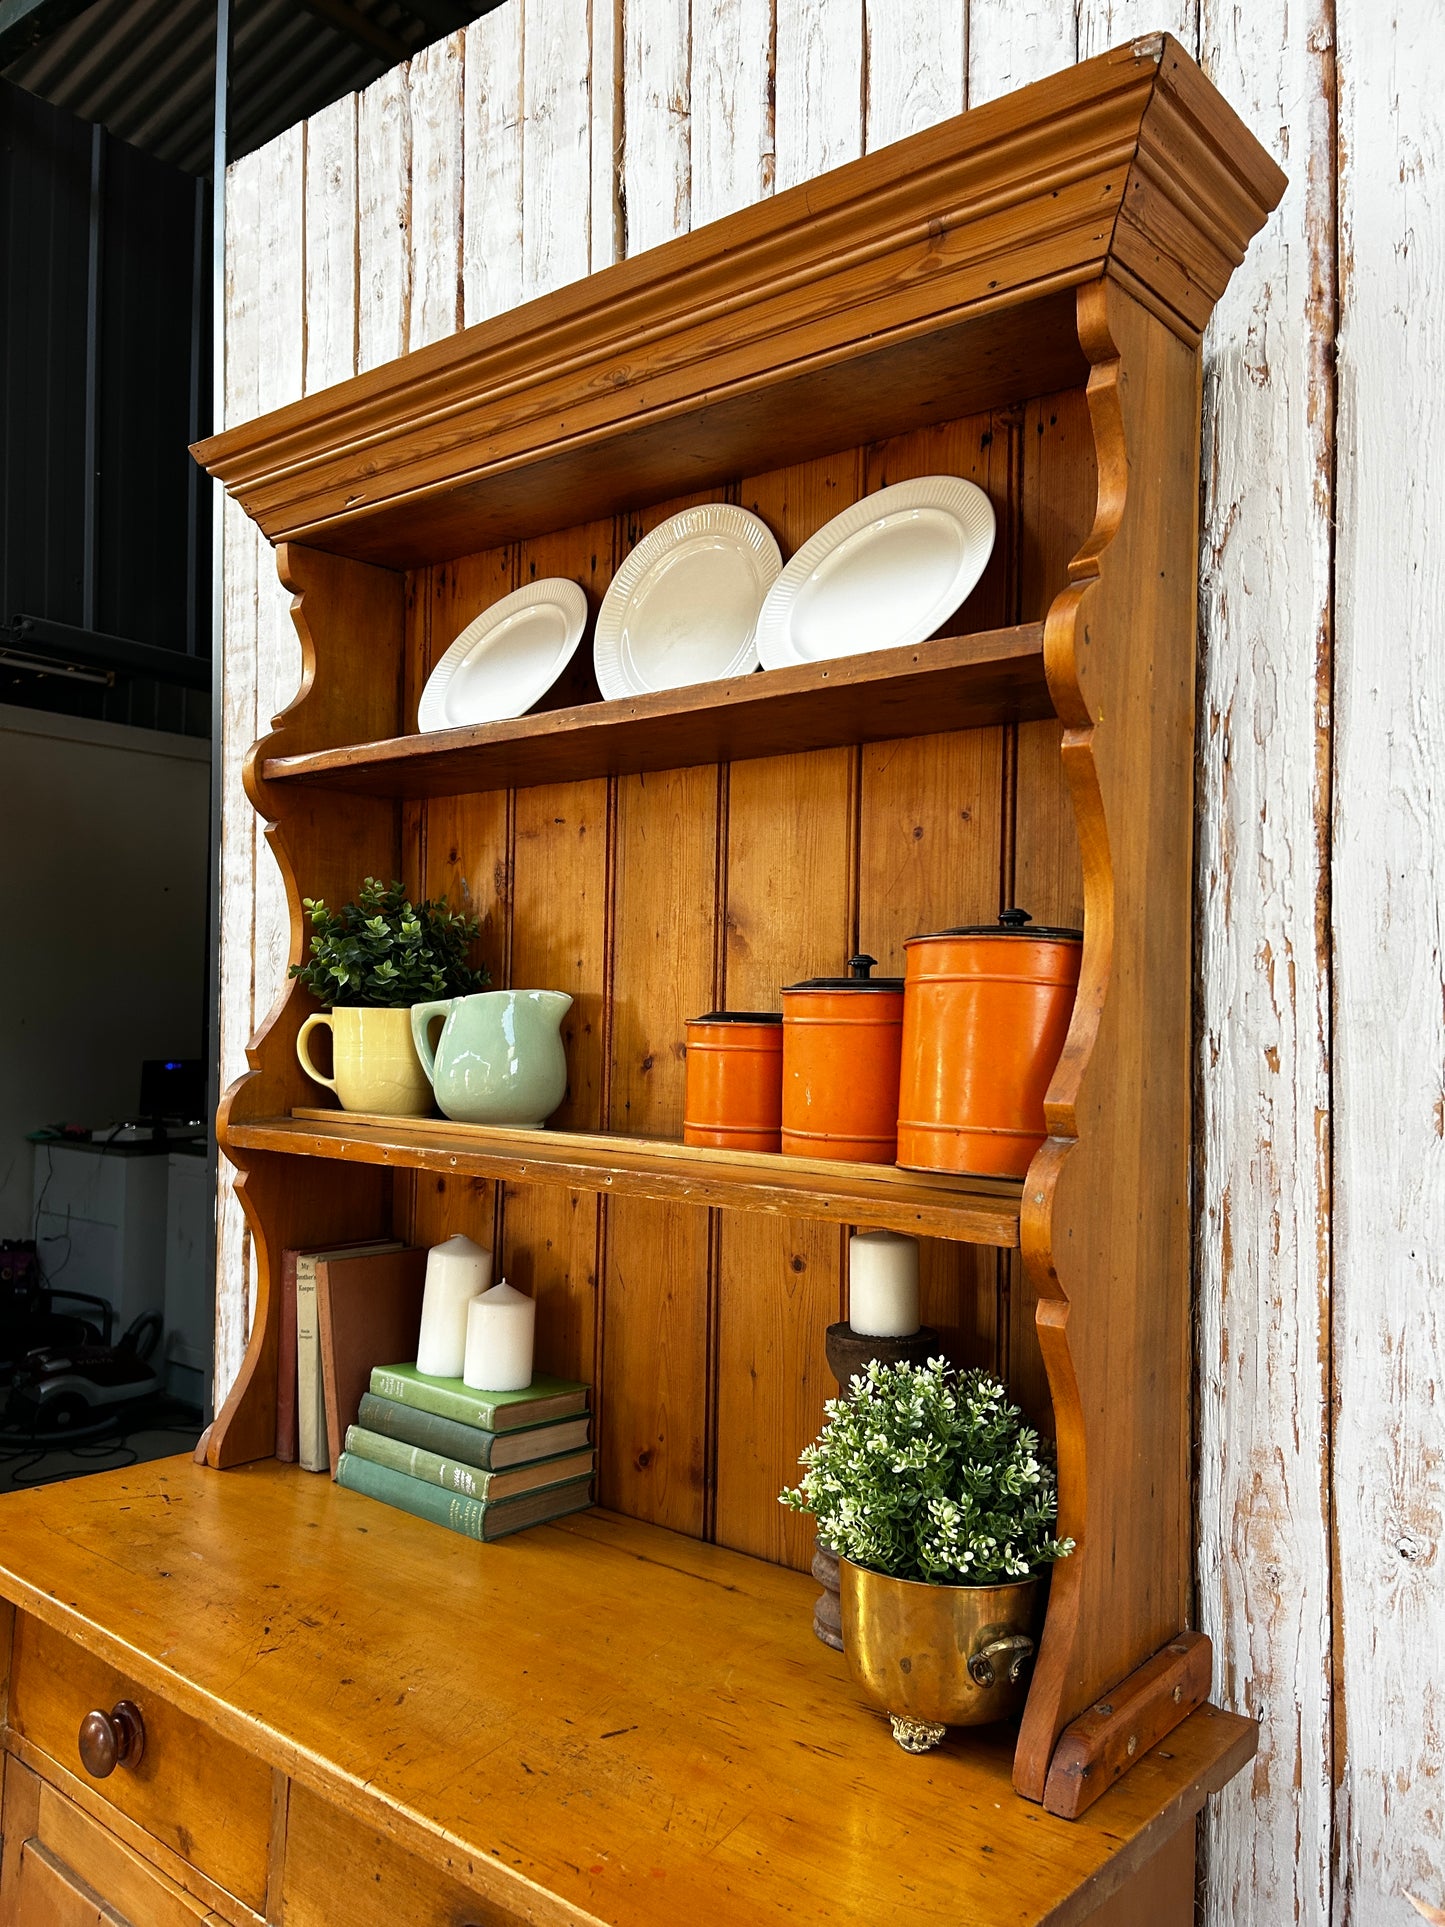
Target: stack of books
483	1463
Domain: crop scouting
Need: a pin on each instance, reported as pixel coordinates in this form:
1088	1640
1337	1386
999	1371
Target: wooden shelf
983	1211
953	682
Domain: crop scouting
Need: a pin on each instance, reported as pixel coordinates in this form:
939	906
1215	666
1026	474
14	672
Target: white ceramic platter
507	658
683	608
882	575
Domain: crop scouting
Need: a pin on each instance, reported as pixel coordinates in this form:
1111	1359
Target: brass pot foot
916	1736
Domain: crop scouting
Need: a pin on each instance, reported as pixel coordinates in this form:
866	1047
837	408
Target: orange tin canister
734	1096
842	1041
985	1014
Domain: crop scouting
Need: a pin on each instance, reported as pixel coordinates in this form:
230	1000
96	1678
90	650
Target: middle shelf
980	1211
949	683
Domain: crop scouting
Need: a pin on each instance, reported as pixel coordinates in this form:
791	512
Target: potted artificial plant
369	963
941	1504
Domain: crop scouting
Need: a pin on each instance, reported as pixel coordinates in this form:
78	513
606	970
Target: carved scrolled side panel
1105	1225
319	853
344	612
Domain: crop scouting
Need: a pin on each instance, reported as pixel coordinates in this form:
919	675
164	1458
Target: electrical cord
29	1449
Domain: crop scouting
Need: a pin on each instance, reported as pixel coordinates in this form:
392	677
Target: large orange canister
842	1040
734	1096
985	1014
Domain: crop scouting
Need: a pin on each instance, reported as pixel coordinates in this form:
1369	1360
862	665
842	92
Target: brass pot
938	1656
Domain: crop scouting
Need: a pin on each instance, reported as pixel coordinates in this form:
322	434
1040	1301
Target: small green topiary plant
923	1472
385	951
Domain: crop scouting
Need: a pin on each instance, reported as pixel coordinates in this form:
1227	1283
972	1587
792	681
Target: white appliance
190	1204
129	1224
100	1224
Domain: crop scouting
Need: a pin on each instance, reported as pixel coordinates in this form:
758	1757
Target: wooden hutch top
606	1720
932	277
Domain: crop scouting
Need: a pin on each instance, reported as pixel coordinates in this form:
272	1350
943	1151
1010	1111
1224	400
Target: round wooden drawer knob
109	1740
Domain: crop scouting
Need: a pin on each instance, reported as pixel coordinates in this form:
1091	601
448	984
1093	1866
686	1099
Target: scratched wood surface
514	158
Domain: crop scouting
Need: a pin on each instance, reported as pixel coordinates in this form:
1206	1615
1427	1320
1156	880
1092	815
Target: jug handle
303	1049
422	1018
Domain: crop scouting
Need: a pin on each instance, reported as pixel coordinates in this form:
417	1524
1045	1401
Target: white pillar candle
883	1284
455	1273
501	1325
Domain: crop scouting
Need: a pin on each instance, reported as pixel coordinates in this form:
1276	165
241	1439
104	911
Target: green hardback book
543	1399
469	1444
432	1469
473	1518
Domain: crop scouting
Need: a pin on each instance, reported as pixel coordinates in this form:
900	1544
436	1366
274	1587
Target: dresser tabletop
595	1720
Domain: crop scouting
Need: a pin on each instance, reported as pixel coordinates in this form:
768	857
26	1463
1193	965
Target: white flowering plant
924	1472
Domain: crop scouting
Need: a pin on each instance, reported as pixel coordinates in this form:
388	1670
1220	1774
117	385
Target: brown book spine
287	1436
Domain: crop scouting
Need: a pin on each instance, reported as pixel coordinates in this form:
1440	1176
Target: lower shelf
596	1720
983	1211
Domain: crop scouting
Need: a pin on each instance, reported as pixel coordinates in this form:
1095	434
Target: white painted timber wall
555	135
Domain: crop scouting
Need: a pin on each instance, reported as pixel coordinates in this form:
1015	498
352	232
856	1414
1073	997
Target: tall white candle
883	1284
455	1273
501	1325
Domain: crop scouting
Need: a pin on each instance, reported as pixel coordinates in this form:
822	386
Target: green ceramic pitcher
499	1059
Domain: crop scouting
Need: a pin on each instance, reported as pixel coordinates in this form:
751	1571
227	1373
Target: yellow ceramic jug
374	1061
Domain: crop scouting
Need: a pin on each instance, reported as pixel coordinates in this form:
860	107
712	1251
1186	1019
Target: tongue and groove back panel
651	898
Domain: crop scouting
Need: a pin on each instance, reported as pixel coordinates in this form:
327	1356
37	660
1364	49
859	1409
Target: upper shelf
930	280
983	1211
950	683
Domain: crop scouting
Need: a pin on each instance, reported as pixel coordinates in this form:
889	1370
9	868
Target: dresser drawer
203	1797
60	1865
341	1874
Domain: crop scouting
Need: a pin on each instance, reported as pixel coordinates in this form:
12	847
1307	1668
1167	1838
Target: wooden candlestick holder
849	1353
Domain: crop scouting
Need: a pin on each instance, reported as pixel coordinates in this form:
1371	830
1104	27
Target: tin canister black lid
1012	923
738	1017
858	978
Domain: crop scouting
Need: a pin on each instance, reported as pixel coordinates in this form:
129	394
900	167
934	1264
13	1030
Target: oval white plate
882	575
683	608
507	658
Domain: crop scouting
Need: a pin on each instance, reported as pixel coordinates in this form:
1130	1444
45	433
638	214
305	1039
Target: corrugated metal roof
145	69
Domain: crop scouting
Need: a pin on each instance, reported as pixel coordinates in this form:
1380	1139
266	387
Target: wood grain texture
1099	1747
560	909
655	166
917	65
204	1797
1104	1229
818	84
492	214
647	1782
1387	837
240	678
434	87
556	144
1262	1172
1263	1263
330	232
732	153
386	467
1010	44
383	227
89	1798
978	1210
944	684
281	301
126	1883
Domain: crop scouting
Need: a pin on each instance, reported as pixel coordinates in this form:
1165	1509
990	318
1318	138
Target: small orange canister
986	1010
842	1039
734	1080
